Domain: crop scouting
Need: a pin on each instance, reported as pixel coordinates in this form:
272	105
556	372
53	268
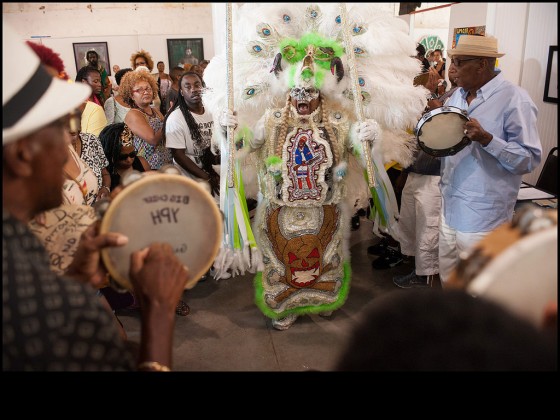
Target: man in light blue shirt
479	184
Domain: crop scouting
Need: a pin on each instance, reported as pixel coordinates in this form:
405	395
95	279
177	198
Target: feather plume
386	64
270	41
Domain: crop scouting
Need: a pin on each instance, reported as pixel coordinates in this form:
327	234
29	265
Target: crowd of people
70	148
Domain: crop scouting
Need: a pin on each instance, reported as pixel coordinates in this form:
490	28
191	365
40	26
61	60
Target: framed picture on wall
551	80
184	51
80	54
469	30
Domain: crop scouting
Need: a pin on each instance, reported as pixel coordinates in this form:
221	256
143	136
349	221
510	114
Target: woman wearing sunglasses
120	152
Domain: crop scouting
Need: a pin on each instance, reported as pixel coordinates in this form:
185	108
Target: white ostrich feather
385	65
388	66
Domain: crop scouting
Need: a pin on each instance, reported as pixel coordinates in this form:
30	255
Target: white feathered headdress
279	46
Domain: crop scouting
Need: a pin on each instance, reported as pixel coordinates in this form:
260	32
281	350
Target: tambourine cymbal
440	131
516	264
164	208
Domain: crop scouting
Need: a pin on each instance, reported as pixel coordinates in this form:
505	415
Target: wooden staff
356	91
229	95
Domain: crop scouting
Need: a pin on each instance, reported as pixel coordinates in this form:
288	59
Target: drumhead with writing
164	208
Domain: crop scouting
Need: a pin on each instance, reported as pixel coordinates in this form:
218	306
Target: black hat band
16	108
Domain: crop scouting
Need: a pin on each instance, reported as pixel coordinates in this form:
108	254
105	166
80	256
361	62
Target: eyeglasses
129	155
141	91
457	61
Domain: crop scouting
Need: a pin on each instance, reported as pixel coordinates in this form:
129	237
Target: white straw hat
31	98
476	46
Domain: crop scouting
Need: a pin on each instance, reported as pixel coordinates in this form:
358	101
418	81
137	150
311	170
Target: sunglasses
457	61
129	155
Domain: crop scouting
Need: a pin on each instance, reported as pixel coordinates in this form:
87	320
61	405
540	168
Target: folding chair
548	179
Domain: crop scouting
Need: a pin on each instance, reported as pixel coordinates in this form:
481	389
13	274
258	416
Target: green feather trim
293	50
292	76
376	208
342	295
319	78
273	160
243	134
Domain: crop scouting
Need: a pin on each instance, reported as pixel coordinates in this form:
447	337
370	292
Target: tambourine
516	264
168	208
440	131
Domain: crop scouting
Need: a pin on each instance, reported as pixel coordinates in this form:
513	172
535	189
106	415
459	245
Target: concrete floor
225	331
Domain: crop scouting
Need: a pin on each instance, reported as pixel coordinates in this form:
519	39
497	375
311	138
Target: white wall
542	32
524	30
126	27
431	22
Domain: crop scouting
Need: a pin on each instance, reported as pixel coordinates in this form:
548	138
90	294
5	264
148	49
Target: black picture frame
81	49
176	50
551	80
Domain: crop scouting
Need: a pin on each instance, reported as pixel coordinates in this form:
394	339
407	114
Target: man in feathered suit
298	60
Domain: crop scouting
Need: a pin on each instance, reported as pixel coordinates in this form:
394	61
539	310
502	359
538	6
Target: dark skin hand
475	132
191	167
86	266
158	276
472	128
214	184
159	279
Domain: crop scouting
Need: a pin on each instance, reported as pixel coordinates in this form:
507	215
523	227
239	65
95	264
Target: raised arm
139	126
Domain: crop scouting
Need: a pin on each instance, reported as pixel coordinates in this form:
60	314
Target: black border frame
102	49
553	49
179	44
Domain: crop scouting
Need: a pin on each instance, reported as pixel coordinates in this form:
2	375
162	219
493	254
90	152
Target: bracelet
106	187
153	367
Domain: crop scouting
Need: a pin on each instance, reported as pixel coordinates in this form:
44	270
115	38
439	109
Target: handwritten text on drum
166	214
174	198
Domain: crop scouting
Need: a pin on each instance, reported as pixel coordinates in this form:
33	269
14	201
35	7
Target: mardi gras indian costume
292	88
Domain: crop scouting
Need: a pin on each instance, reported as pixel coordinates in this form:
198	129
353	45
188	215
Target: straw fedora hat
31	98
476	46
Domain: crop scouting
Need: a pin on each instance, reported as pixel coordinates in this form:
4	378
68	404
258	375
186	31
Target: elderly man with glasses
479	184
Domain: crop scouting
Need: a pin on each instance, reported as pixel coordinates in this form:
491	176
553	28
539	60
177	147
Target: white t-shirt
178	136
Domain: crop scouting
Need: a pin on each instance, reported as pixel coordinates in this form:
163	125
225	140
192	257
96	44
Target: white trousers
451	244
419	221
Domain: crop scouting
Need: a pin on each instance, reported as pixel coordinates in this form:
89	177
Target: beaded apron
300	224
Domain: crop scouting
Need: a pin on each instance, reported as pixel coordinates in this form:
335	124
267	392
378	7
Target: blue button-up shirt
479	185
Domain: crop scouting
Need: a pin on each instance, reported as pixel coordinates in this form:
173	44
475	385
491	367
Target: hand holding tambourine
165	208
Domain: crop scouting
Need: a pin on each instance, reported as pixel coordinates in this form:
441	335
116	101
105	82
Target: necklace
145	113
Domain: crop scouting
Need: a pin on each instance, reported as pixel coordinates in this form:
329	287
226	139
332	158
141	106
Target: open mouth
303	107
303	277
